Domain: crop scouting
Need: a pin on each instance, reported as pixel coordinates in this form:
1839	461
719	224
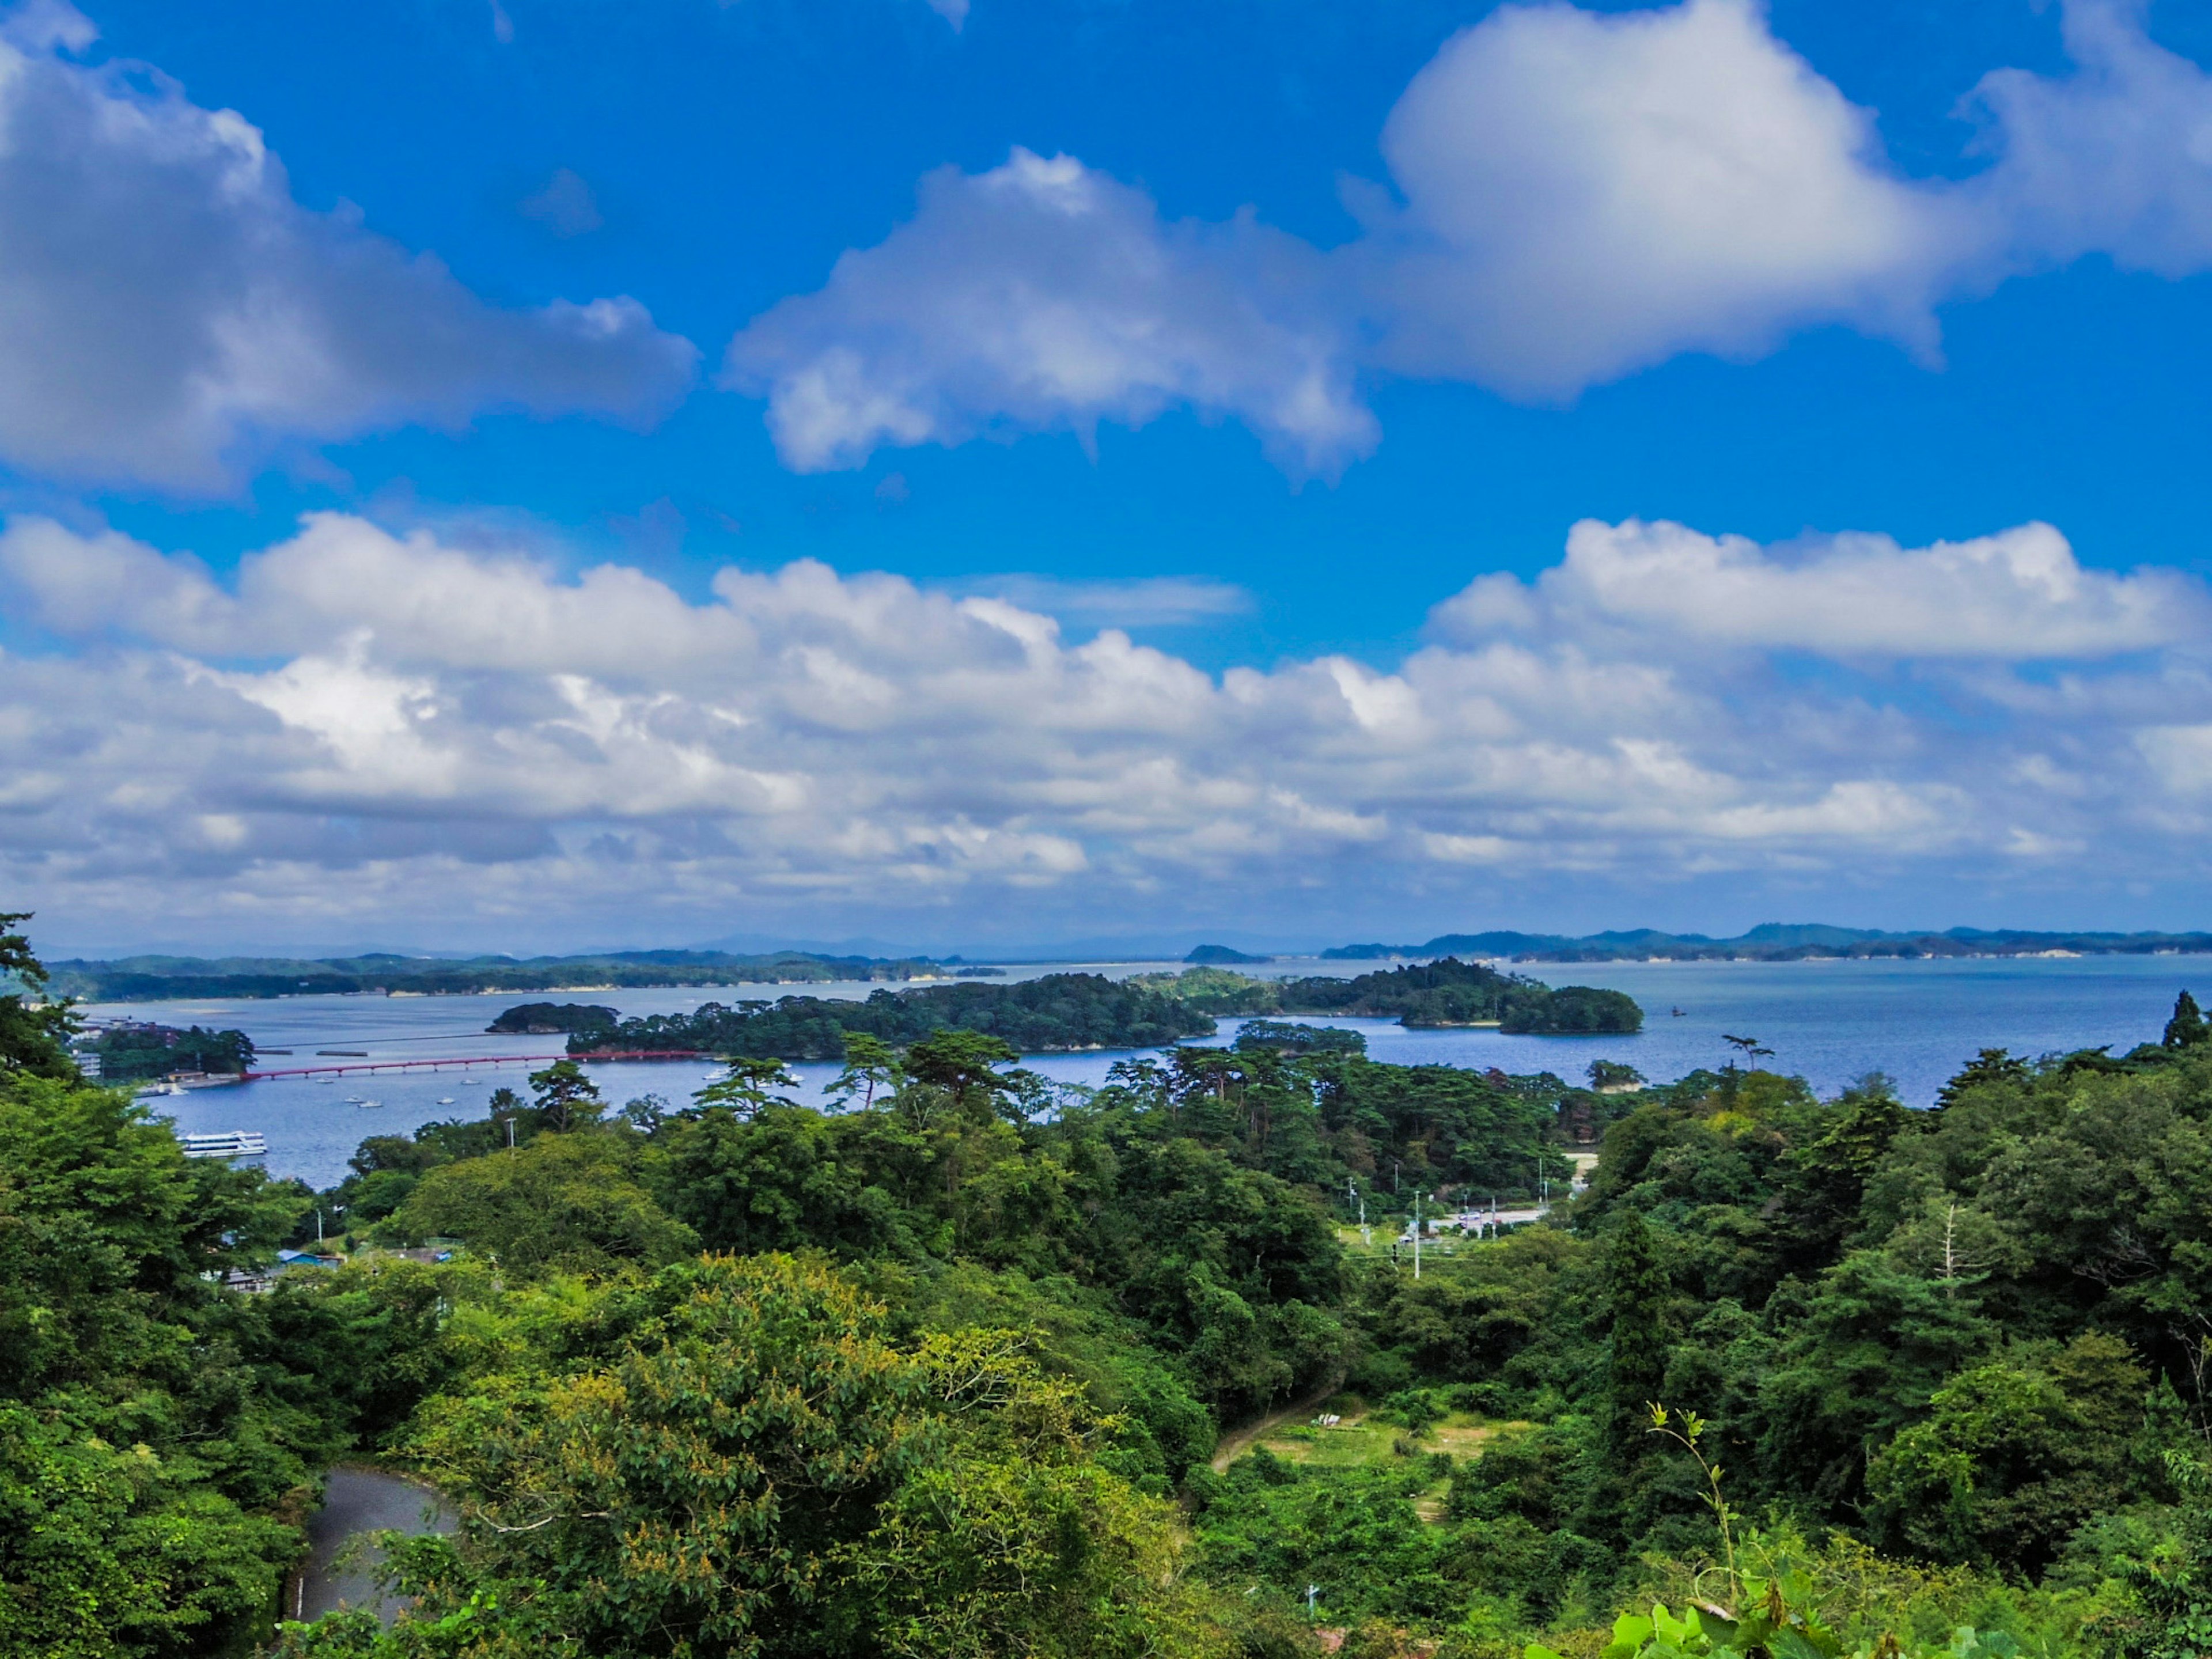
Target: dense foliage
155	1428
1433	994
547	1017
1056	1012
947	1372
1455	993
129	1052
34	1030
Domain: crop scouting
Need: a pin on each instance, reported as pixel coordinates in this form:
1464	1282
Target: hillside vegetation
944	1373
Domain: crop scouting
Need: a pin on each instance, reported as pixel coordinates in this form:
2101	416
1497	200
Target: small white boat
367	1105
445	1100
353	1100
472	1079
235	1143
326	1081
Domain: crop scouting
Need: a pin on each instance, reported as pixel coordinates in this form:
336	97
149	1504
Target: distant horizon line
1769	938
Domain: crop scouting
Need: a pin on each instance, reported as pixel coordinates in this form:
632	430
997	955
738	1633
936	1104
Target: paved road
357	1501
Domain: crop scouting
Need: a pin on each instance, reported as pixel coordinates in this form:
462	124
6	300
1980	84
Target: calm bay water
1828	1022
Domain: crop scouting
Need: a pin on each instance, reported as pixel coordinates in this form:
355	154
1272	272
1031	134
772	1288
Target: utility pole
318	1223
1312	1590
1416	1235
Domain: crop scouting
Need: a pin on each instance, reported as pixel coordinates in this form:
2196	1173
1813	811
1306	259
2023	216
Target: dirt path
1241	1439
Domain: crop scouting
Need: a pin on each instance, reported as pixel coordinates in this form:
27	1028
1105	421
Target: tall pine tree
2187	1027
1636	1294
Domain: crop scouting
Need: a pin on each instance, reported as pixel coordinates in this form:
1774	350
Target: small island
546	1018
137	1051
1421	995
1220	956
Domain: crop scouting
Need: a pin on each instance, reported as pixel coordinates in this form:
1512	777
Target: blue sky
1269	351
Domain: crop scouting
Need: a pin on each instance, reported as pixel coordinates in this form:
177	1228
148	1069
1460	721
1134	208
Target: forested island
547	1019
133	1051
156	978
1061	1012
984	1366
1431	995
1054	1014
1775	941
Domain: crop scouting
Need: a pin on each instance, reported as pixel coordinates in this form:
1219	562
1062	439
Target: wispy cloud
1134	602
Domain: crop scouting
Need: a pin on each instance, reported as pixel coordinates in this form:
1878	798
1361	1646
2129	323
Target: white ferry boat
231	1143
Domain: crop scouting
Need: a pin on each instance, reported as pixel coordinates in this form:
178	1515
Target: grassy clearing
1360	1441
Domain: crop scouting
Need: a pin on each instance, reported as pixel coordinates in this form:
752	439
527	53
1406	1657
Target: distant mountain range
1774	941
156	978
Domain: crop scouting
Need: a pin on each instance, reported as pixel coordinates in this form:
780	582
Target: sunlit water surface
1829	1022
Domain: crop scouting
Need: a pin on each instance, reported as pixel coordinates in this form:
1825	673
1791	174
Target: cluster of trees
130	1053
548	1017
1455	993
1432	993
943	1372
1054	1014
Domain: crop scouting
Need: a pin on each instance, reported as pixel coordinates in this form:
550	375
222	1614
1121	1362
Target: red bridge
477	1060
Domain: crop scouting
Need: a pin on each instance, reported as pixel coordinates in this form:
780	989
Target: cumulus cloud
355	724
2116	159
1586	194
1044	294
2019	595
166	308
1573	196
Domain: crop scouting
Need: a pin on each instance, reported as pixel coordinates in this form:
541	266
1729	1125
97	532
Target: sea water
1828	1022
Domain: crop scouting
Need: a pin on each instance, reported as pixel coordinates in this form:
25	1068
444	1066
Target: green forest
1055	1013
132	1053
1430	994
980	1365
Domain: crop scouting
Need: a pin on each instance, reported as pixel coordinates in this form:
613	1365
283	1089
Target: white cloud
2019	595
1577	196
1043	295
167	310
1588	194
371	728
2116	159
